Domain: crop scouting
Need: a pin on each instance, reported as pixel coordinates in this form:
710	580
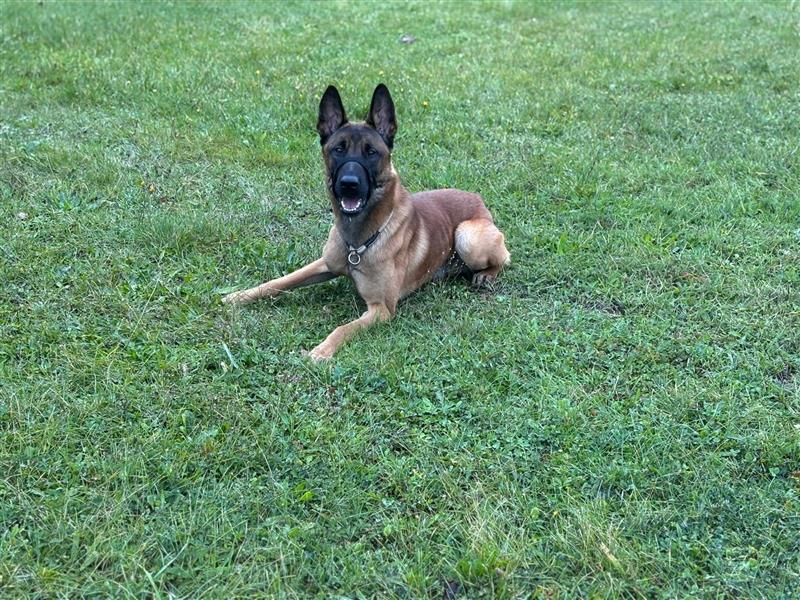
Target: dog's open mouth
351	204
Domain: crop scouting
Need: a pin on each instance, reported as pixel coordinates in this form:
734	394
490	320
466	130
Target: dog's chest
373	279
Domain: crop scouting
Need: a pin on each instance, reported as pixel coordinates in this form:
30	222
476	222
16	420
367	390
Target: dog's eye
371	151
339	149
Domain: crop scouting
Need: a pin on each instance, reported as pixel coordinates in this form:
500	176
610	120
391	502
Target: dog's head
357	155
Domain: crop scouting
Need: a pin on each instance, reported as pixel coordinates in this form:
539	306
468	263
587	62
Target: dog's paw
483	281
238	298
319	354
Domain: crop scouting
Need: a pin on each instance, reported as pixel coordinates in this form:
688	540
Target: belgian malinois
387	240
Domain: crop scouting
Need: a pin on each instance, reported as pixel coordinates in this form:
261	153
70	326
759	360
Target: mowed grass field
620	417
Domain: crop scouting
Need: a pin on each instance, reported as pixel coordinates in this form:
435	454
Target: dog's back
450	206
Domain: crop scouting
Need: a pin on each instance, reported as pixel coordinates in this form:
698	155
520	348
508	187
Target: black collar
354	257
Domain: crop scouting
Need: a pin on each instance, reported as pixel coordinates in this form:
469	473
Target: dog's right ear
331	114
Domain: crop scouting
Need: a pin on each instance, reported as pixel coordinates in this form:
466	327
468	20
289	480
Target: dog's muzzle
352	187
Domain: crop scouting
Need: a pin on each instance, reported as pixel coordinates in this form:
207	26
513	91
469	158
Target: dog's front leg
376	313
315	272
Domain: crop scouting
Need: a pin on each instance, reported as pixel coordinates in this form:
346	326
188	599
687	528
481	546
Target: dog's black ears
381	114
331	114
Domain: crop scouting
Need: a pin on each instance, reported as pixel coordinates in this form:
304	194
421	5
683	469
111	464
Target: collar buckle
354	258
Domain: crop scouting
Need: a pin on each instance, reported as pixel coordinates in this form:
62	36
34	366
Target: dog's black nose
348	181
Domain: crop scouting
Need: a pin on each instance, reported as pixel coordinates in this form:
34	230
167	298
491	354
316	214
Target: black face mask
352	186
359	161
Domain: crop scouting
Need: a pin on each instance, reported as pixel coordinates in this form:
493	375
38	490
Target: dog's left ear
381	114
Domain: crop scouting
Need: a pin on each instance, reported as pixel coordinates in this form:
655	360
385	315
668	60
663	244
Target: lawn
619	417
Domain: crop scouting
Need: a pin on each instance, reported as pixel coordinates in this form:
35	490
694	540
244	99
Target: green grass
620	418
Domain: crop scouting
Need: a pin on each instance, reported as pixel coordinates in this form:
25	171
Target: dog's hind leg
481	245
315	272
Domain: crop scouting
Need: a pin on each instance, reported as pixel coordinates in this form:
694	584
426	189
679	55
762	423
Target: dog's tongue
351	203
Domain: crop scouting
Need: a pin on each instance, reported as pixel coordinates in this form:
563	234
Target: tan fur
482	247
420	234
315	272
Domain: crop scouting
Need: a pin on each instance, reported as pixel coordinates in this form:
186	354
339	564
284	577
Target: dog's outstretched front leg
376	313
315	272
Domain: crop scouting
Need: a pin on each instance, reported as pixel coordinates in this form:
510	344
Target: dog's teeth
350	206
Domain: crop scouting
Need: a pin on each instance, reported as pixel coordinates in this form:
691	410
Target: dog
388	241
